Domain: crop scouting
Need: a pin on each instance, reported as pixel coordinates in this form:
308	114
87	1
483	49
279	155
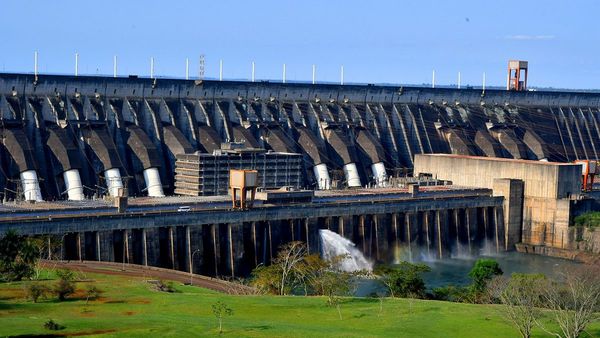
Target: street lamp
192	266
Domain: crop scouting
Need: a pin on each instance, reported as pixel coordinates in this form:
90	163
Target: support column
144	248
236	250
172	248
126	246
78	240
98	252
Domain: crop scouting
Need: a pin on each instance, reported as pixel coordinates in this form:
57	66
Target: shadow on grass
258	327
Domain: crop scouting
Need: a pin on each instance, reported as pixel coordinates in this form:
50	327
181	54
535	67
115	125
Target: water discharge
333	245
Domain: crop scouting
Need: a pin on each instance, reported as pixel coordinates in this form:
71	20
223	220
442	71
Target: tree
521	297
18	255
285	273
404	279
289	257
35	291
575	300
483	271
220	310
65	285
92	292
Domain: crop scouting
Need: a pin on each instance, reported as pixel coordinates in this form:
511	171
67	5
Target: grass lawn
131	308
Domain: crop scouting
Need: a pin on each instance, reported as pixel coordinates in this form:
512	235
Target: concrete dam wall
67	137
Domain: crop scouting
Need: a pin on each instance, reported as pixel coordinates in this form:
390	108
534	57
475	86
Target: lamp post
192	266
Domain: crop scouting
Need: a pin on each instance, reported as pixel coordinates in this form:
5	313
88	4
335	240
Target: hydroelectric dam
135	169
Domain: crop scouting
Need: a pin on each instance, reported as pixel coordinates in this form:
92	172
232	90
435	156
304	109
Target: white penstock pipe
322	176
73	185
114	183
152	178
379	173
351	173
31	186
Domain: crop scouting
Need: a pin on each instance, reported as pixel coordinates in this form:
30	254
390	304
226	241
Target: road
147	272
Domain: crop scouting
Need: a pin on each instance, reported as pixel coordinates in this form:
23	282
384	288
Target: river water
455	271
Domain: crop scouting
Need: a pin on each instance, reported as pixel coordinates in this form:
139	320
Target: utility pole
187	68
314	70
458	80
342	75
76	64
115	66
152	67
220	70
252	71
284	73
201	67
433	79
35	66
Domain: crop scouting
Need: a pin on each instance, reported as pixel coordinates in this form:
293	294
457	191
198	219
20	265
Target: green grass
130	307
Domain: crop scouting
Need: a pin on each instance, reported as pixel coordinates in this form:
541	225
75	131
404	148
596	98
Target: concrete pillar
144	247
499	228
97	239
172	248
427	232
188	250
311	226
409	234
512	209
362	233
126	247
78	239
237	266
441	233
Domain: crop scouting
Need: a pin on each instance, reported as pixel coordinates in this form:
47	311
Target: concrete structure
546	192
386	224
208	174
355	135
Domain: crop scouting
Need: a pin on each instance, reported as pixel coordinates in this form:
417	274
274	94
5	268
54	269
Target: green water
455	270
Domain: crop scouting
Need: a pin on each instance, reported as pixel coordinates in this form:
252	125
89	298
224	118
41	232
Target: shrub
404	279
483	271
92	293
52	325
35	291
65	286
588	219
18	256
165	286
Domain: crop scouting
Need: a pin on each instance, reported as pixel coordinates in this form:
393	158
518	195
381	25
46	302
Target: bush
65	286
165	286
18	256
404	279
92	293
452	293
52	325
588	219
483	271
35	291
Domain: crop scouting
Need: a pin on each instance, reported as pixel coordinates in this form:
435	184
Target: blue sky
376	41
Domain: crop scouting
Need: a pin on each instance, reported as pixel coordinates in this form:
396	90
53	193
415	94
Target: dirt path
146	272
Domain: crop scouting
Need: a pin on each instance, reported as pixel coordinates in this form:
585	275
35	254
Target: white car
183	208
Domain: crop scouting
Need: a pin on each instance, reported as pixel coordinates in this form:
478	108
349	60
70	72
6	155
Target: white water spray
333	245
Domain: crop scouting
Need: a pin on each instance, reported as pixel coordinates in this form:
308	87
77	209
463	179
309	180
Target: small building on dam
405	172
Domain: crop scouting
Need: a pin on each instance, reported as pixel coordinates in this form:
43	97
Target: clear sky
376	41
